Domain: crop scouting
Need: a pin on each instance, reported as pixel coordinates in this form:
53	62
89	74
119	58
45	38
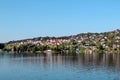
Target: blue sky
21	19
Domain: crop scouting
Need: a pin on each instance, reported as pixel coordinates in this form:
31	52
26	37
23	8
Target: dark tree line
2	45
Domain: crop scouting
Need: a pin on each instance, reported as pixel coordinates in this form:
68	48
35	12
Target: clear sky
21	19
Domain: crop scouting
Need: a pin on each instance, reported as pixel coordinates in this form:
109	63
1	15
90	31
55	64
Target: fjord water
60	67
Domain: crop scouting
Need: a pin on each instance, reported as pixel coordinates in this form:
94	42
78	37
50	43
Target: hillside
84	42
110	34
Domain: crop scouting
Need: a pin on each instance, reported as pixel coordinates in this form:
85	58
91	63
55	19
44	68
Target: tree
2	46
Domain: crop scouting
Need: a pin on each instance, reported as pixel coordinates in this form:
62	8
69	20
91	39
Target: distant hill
77	36
105	42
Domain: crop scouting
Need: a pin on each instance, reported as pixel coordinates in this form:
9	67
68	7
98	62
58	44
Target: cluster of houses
88	40
41	42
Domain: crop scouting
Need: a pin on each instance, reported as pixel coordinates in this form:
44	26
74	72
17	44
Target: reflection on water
65	67
105	60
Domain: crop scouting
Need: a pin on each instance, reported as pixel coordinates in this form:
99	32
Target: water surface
60	67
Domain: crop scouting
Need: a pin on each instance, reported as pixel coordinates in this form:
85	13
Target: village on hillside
107	42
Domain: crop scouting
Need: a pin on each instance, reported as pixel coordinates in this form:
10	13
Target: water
60	67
